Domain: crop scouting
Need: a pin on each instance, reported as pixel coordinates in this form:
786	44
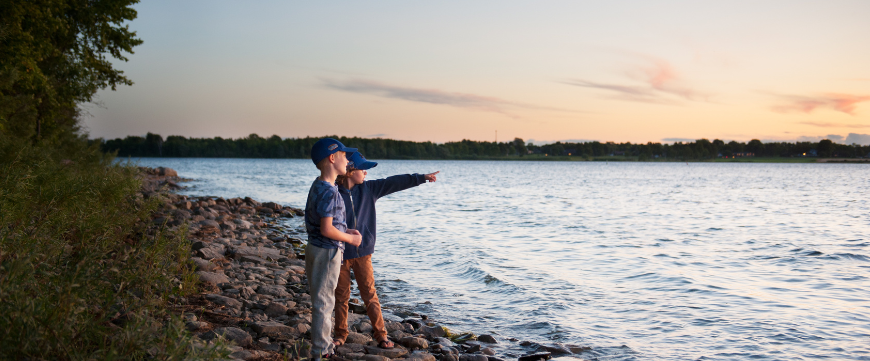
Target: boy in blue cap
359	197
325	222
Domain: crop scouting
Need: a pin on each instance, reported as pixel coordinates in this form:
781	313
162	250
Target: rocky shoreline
252	271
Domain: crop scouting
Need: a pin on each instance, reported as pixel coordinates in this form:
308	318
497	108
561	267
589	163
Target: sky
636	71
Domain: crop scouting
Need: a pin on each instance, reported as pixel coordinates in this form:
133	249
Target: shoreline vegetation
701	150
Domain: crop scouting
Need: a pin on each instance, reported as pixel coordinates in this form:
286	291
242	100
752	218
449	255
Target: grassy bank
81	275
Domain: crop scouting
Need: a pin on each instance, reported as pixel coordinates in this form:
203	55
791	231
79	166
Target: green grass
81	278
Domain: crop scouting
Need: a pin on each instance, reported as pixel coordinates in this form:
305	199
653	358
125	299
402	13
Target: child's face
340	162
358	176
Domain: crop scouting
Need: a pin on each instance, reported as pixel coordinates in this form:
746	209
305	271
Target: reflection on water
636	260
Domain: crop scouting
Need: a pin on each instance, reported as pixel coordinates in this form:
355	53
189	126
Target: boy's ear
332	157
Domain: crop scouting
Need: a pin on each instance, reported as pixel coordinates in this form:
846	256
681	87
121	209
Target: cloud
431	96
809	138
835	125
854	138
654	81
678	139
844	103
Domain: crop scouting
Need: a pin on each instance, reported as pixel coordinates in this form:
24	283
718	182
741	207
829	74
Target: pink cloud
655	81
844	103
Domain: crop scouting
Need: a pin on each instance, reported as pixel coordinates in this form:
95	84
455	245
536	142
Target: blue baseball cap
327	146
357	161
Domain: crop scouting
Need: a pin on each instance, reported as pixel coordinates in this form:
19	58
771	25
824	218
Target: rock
203	265
493	358
228	226
213	278
394	326
469	357
244	355
271	290
444	342
350	348
486	338
181	214
209	253
272	205
414	343
555	349
431	332
472	346
488	351
252	259
235	334
224	301
184	205
375	358
358	338
275	330
394	352
242	224
535	356
275	309
448	357
166	172
264	252
195	325
209	223
364	327
420	356
398	335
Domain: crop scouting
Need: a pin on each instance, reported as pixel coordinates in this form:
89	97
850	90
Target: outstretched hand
431	176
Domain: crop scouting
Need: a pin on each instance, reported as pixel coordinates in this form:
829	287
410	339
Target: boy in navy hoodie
359	197
327	230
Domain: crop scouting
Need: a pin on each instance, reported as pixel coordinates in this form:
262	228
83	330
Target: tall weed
81	277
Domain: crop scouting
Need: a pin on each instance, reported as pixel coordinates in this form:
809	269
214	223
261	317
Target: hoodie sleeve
382	187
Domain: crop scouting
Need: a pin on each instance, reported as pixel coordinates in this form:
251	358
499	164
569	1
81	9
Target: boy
359	199
327	233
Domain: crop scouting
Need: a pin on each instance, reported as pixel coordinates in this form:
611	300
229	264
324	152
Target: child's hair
343	178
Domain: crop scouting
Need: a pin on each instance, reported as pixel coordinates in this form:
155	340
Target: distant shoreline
536	157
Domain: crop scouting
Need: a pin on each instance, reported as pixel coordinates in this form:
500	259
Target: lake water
667	261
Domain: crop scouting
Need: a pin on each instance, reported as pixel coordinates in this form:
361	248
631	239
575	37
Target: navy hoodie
360	205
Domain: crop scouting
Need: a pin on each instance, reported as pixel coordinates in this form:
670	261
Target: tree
54	55
826	147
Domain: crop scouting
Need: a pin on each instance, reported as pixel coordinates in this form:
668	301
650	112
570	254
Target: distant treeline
254	146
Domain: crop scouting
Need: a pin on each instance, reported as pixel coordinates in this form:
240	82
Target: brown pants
365	281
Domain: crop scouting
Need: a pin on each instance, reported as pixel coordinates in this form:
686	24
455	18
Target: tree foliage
254	146
55	55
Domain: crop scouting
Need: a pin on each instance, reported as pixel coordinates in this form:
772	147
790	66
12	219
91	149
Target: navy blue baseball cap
357	161
327	146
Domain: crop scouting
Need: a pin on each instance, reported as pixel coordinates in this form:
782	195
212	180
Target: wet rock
414	343
444	342
555	349
224	301
486	338
358	338
488	351
535	356
375	358
493	358
364	327
398	335
472	346
394	352
468	357
235	334
275	330
213	278
275	309
449	357
431	332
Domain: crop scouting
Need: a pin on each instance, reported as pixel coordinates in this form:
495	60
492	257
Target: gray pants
322	266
